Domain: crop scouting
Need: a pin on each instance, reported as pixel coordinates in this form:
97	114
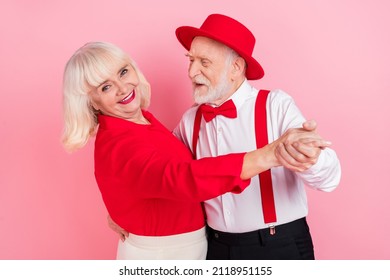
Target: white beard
213	93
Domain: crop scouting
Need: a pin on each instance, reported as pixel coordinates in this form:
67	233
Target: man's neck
235	87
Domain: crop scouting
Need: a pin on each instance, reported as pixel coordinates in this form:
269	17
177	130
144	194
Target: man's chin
201	96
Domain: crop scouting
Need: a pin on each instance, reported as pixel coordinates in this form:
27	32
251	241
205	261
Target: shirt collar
241	94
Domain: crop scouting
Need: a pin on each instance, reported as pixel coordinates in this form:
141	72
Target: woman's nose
122	87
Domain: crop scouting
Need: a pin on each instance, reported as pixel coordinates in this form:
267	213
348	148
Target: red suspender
195	136
266	191
267	195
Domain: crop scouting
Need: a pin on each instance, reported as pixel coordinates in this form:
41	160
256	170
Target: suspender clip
272	230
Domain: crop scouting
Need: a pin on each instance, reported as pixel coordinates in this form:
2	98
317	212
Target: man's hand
112	225
299	148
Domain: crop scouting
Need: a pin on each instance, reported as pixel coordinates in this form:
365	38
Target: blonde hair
88	67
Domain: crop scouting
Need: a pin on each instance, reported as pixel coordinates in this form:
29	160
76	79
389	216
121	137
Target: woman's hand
123	234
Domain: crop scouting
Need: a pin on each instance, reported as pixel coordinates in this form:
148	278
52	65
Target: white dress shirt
243	212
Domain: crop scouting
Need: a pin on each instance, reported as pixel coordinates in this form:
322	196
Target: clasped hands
299	148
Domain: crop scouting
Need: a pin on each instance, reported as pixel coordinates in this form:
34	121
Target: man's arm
299	154
321	167
297	149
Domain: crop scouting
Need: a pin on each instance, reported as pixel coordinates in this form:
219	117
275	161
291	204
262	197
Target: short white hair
88	67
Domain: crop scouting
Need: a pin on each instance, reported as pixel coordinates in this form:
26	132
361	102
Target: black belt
262	235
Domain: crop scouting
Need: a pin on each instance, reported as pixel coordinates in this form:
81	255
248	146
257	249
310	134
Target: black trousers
291	241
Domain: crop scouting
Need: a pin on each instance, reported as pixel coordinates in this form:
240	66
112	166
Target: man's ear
239	67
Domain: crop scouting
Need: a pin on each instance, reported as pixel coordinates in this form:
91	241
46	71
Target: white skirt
185	246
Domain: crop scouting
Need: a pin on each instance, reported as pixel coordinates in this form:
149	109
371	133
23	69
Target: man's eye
205	62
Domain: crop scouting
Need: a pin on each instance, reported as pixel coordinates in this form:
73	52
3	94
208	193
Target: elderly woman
150	183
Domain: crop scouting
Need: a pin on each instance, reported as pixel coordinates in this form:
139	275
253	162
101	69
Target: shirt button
216	235
220	130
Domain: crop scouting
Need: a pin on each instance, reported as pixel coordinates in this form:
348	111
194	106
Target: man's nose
193	69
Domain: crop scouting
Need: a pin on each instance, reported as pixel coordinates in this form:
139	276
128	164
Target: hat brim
185	35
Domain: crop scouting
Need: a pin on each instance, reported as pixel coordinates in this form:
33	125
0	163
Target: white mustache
201	80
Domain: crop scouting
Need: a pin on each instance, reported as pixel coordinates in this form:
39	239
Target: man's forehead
203	46
205	41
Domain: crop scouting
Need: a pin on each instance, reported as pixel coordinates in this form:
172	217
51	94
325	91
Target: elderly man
267	220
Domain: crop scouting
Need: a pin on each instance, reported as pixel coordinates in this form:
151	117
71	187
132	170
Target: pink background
332	56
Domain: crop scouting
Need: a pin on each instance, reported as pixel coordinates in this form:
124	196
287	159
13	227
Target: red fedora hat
229	32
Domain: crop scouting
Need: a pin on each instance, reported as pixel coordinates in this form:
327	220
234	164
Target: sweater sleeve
155	173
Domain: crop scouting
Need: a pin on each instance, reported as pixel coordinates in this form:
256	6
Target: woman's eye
105	88
123	72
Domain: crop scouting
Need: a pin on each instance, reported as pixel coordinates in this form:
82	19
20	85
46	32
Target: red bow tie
227	109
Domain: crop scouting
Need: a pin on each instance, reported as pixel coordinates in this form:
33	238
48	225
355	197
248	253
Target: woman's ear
95	108
93	104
